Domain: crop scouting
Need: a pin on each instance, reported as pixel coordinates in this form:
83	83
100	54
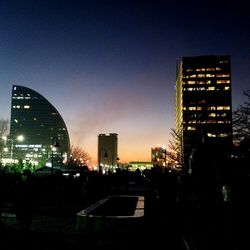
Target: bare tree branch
78	157
4	127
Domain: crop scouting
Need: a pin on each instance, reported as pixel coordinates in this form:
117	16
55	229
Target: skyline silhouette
110	66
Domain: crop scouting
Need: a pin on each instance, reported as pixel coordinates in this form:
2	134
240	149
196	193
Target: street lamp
19	138
2	149
105	156
117	159
54	146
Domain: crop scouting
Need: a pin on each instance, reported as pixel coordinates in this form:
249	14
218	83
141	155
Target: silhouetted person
25	200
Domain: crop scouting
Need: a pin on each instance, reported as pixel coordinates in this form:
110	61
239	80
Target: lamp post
105	156
19	138
54	146
11	149
2	150
5	139
117	159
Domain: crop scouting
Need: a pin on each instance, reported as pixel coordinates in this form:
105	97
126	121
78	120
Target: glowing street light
19	138
100	156
113	158
54	145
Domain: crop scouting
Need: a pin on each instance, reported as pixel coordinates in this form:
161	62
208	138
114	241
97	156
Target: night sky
110	66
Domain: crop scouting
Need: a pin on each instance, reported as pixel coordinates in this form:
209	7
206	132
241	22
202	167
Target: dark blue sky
110	66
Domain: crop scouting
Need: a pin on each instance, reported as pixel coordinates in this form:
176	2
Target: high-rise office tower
38	123
204	103
107	152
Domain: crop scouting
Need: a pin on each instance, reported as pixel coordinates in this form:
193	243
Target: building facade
107	152
203	103
141	165
35	128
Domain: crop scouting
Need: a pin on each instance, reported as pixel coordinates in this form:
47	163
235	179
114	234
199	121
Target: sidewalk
52	232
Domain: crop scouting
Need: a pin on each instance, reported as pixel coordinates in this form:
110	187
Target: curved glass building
35	127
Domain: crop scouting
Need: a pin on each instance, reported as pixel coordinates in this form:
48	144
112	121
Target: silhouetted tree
78	157
4	127
241	121
174	152
241	130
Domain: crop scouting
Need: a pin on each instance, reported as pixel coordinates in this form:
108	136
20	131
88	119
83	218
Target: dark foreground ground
53	230
171	221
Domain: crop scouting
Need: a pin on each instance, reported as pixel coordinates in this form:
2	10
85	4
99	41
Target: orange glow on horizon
131	151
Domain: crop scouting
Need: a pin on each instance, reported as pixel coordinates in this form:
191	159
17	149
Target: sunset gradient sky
110	66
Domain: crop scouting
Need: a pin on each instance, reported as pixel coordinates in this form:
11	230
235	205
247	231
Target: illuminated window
202	69
201	88
201	75
223	61
212	115
210	75
222	81
191	128
220	121
191	76
199	108
26	106
211	88
201	82
211	135
190	82
223	135
210	69
208	82
211	108
223	107
192	121
190	89
191	108
226	88
211	121
201	121
184	108
223	75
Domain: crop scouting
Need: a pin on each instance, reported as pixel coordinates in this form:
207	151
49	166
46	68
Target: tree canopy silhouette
174	152
78	157
241	121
